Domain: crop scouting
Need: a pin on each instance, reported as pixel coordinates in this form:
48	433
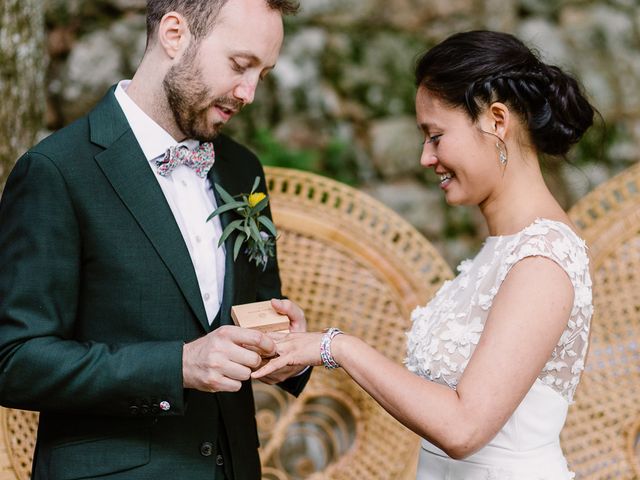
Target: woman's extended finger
271	366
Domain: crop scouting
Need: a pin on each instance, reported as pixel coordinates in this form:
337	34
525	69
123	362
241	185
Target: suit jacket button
144	409
206	449
219	460
134	410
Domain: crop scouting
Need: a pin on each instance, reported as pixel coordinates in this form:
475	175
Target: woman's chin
453	200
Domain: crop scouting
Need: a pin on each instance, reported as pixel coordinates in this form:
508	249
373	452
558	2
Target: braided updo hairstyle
471	70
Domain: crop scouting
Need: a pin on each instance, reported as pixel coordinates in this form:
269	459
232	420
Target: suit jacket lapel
224	175
127	169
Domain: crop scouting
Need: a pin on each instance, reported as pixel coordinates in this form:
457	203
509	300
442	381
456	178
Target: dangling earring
502	155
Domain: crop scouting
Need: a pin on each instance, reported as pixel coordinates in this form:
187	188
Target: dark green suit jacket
98	295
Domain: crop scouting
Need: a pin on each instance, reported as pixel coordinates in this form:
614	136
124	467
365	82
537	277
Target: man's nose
246	91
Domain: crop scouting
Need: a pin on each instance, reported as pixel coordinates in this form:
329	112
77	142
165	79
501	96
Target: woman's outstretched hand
293	350
297	323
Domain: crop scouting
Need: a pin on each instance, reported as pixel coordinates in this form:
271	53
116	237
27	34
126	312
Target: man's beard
185	92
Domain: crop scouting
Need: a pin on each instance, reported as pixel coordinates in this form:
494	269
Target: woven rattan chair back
600	438
354	264
349	262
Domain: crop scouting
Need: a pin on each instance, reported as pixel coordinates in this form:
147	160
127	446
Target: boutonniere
257	232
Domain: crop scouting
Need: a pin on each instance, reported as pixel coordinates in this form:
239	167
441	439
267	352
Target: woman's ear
173	34
499	119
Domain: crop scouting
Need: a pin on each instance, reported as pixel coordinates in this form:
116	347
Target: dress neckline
538	220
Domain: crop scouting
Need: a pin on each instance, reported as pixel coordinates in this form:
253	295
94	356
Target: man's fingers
259	351
250	339
267	346
277	336
279	306
297	321
247	357
286	307
236	371
227	385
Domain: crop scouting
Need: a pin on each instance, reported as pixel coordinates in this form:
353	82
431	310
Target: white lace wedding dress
446	331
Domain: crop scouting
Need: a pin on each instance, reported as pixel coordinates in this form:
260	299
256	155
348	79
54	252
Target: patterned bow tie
201	159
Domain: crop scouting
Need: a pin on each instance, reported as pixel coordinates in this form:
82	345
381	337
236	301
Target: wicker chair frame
352	263
600	438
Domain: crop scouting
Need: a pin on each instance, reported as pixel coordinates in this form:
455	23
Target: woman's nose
428	157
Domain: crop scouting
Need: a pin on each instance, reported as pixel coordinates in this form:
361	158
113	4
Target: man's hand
297	323
223	359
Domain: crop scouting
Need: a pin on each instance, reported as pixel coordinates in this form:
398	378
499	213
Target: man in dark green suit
114	298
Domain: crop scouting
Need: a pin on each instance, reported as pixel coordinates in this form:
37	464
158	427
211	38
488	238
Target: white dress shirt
190	198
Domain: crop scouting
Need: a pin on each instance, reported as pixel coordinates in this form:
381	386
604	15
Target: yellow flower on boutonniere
253	229
256	198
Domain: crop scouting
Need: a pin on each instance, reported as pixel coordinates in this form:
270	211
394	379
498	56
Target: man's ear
498	119
173	35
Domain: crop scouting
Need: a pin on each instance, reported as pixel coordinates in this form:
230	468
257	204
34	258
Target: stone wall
340	101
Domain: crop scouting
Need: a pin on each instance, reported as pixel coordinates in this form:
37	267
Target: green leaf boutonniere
255	230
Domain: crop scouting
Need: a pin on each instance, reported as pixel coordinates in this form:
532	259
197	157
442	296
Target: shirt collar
152	138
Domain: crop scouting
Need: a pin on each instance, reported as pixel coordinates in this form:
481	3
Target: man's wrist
186	383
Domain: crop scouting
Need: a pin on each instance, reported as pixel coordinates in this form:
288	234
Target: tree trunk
22	74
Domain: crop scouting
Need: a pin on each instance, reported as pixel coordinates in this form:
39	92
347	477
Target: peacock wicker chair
349	262
600	438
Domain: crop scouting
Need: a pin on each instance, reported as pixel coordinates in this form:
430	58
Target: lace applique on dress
446	331
501	474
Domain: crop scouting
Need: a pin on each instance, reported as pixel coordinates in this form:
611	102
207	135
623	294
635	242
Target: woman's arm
527	317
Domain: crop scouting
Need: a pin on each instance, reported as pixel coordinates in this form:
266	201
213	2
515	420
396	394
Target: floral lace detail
501	474
446	331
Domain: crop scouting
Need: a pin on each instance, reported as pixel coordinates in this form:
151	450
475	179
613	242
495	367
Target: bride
494	359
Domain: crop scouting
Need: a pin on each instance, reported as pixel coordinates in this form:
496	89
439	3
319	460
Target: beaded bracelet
325	348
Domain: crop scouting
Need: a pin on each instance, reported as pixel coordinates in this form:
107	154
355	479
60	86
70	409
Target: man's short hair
201	14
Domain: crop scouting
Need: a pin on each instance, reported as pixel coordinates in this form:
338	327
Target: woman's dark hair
473	69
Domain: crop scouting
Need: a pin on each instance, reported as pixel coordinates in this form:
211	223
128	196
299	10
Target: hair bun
569	114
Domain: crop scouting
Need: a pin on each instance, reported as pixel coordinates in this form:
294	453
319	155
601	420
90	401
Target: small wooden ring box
259	316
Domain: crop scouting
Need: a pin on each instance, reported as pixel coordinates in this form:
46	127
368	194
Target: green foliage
595	145
335	160
340	163
82	16
374	69
273	153
459	223
260	244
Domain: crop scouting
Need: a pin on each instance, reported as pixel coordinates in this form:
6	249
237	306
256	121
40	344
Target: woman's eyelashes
433	139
